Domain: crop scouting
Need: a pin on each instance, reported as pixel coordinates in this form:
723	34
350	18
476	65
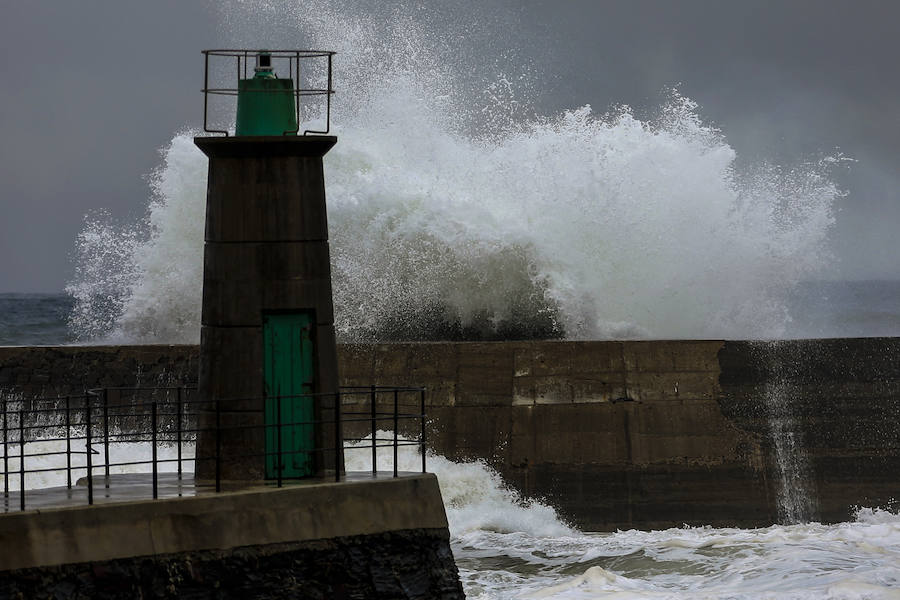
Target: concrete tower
268	363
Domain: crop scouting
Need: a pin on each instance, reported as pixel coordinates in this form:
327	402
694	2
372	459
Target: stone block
470	433
356	363
391	361
650	356
609	389
232	367
523	391
551	358
567	358
267	198
591	358
698	450
241	446
697	355
242	304
572	433
485	375
696	417
499	356
432	361
552	390
667	386
260	261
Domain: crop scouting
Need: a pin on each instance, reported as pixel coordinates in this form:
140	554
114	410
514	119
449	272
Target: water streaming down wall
797	498
456	212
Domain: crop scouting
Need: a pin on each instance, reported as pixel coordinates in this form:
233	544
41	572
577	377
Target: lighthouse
268	361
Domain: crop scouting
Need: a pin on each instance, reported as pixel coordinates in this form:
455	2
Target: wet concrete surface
139	486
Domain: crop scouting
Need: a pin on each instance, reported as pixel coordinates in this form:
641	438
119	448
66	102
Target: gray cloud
91	90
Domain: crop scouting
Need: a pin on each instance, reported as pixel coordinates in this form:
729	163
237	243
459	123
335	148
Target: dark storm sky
91	90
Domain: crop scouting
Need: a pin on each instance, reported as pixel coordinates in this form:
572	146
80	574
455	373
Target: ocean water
508	549
817	310
35	319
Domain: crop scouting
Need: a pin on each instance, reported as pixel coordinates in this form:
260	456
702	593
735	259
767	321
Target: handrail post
178	427
68	443
327	97
422	438
106	435
374	437
205	88
87	445
218	447
153	424
337	436
278	456
5	449
396	426
22	456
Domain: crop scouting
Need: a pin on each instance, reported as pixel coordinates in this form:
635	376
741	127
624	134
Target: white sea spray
457	211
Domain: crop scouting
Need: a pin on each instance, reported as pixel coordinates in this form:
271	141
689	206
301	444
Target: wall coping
256	516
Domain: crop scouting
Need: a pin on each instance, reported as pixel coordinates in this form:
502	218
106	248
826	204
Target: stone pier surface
370	538
642	434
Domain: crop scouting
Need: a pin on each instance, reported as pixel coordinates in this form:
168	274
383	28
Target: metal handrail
96	402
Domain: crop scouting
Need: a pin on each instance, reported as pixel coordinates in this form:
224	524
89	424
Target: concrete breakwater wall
373	538
39	371
642	434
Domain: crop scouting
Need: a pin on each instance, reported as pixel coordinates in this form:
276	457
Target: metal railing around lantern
293	60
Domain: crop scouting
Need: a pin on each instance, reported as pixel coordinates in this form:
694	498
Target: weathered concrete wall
376	538
660	433
614	434
37	371
840	399
623	434
415	564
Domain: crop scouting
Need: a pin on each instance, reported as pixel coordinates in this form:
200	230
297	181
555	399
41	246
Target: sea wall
38	371
642	434
384	538
653	434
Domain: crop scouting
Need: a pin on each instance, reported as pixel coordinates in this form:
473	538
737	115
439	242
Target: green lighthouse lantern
265	103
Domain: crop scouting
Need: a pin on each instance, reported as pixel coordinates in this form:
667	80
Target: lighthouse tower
268	363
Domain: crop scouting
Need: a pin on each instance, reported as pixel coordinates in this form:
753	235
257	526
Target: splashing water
506	548
457	212
142	282
797	497
476	498
51	465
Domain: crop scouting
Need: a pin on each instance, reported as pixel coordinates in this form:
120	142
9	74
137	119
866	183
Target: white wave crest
456	212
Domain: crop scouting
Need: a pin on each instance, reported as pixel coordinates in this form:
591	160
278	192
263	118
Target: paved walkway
139	486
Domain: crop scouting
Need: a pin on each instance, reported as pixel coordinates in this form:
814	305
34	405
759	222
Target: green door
289	375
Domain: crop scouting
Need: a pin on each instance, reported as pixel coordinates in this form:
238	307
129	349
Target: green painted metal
289	374
266	105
